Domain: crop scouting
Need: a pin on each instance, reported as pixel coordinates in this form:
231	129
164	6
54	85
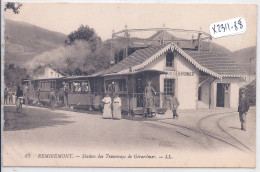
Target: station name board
179	73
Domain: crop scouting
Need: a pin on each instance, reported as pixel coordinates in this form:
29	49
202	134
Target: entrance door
220	95
223	95
139	92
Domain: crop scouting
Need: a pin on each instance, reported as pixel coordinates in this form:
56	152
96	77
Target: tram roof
135	72
48	78
78	77
217	65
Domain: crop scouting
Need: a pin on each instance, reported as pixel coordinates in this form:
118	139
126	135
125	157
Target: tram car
82	91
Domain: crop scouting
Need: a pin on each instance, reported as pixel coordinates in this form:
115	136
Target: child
116	107
107	112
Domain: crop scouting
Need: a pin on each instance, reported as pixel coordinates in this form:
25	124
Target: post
163	33
127	41
112	62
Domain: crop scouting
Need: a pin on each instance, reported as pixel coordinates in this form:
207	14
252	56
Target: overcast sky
66	17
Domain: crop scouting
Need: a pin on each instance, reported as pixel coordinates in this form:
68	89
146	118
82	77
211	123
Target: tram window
115	85
169	59
80	86
122	85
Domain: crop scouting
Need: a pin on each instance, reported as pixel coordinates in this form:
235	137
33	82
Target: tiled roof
134	59
214	64
219	63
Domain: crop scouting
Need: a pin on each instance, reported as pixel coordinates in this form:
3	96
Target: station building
198	79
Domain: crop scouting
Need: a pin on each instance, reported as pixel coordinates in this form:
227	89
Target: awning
135	72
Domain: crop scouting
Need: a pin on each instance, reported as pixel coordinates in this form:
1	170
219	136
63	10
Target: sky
67	17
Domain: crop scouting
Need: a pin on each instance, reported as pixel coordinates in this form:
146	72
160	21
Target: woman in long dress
107	112
116	107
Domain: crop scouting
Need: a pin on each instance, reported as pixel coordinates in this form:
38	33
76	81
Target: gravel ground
40	130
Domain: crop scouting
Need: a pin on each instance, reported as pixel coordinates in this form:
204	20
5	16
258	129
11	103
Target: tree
15	6
84	33
13	75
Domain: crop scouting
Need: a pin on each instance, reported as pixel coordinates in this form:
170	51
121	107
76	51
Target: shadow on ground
141	118
32	118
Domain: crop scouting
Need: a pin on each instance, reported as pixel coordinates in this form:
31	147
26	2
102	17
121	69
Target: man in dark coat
52	97
174	104
243	109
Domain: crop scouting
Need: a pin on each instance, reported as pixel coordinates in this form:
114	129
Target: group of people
112	106
62	96
149	108
9	96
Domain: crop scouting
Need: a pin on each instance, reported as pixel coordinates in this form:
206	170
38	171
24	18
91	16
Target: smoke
76	53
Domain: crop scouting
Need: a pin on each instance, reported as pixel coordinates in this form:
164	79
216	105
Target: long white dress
107	112
117	108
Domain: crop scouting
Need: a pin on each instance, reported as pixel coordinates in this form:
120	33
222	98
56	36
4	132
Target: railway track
234	138
234	142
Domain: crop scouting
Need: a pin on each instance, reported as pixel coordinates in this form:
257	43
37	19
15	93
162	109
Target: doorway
139	92
223	95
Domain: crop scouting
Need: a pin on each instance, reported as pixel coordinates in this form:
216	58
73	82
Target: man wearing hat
52	98
243	109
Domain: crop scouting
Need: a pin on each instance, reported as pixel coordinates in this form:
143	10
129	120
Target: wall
204	103
235	84
185	86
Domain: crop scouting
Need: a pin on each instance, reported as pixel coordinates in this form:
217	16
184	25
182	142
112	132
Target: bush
250	91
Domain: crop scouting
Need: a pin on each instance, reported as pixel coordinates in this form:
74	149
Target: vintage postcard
128	84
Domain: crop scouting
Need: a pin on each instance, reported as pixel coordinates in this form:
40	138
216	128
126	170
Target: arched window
169	59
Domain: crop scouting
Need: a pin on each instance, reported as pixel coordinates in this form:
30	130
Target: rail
160	99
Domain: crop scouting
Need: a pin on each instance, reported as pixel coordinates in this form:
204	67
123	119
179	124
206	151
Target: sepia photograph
128	84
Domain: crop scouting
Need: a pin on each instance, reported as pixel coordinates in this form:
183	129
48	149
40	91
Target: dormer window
169	59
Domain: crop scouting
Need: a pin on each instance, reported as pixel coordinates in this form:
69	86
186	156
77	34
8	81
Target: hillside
243	57
23	41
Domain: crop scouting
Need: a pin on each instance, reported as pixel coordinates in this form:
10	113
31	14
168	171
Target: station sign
179	73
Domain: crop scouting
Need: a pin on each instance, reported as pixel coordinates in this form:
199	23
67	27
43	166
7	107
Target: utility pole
127	41
112	62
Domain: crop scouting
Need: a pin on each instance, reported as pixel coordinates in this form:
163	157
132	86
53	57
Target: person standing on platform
52	98
26	93
116	107
66	94
19	93
107	112
243	109
174	104
10	96
5	96
38	95
149	103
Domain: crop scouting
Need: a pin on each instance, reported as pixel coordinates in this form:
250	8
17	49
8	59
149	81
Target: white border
49	169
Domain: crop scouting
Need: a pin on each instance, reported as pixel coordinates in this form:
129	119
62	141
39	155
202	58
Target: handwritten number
240	24
235	25
222	27
228	26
